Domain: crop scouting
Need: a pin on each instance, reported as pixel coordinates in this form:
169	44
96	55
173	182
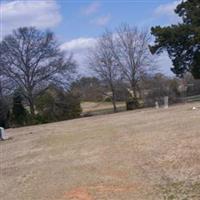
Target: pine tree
181	41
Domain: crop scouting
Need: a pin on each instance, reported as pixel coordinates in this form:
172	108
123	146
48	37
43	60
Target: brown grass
100	107
145	154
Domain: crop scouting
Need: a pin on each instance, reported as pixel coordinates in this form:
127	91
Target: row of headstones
166	103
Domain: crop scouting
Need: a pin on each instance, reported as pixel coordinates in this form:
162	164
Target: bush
38	119
132	103
4	113
108	99
56	105
19	113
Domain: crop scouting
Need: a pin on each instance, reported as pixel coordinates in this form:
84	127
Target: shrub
132	103
56	105
19	113
39	119
4	113
108	99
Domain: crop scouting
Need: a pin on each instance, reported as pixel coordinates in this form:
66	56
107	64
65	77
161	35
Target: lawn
98	108
146	154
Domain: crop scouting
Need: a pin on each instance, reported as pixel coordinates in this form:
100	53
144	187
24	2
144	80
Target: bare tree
5	86
103	63
32	59
132	54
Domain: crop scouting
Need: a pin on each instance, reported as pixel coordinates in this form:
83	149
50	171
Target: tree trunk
135	98
134	88
134	91
32	109
114	101
31	105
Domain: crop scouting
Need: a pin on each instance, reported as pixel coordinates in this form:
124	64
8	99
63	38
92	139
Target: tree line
38	81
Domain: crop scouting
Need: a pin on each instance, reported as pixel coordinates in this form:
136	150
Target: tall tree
132	54
181	41
103	63
32	59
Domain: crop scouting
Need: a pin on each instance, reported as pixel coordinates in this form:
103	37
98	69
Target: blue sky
77	23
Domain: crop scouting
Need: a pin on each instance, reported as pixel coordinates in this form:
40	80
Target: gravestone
166	102
2	134
156	105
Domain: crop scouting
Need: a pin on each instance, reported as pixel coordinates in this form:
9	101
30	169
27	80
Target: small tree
4	113
19	113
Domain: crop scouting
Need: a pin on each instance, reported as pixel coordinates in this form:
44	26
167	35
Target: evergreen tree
4	113
182	41
18	111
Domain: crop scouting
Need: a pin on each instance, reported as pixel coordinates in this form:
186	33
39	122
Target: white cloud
167	10
79	44
91	8
102	21
42	14
79	47
164	64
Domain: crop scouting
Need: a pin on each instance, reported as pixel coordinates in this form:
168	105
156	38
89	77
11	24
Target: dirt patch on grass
78	194
86	193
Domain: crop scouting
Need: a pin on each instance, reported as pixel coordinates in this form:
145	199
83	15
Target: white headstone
2	134
157	105
166	102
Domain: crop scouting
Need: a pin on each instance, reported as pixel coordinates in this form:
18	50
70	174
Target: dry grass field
96	108
146	154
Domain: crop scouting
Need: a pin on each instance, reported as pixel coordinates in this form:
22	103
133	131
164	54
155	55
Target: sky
78	23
